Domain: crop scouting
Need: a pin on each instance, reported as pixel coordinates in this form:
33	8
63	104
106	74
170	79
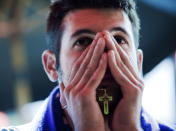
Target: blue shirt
50	118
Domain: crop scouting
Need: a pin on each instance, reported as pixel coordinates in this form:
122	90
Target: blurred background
23	83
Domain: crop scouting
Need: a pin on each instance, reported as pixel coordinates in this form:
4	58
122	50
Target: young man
93	54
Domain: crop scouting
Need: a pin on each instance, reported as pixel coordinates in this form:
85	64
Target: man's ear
139	59
49	65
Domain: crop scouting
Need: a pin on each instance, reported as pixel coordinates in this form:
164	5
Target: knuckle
88	72
88	75
137	91
89	68
84	63
120	63
77	65
140	84
94	80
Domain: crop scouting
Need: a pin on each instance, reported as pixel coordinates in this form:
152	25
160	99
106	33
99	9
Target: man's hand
80	95
126	116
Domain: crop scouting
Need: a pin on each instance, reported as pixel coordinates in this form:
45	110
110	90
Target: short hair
60	8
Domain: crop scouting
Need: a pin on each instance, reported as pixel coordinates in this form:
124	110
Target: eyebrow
88	31
119	29
83	31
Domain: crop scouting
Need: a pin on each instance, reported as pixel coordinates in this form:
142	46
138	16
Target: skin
84	67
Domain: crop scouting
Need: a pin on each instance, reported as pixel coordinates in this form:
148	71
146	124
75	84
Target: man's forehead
97	20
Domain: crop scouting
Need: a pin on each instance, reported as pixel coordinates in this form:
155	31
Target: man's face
81	26
80	29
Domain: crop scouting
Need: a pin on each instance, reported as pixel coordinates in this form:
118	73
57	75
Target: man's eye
120	40
85	41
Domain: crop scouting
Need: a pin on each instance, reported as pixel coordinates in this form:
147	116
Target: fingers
125	57
91	67
89	62
129	89
99	49
118	74
122	59
128	65
98	75
80	65
77	64
83	65
90	73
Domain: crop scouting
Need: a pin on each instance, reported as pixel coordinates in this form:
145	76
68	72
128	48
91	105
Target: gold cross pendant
105	99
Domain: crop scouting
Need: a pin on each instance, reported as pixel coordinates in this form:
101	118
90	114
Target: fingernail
106	36
97	35
100	41
105	31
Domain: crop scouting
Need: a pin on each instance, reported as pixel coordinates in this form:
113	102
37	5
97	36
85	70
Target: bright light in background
159	93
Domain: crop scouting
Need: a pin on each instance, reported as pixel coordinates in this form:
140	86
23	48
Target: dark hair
60	8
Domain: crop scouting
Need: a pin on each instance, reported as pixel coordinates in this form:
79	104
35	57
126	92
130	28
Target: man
93	53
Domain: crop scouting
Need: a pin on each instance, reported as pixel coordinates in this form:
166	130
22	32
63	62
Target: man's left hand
126	116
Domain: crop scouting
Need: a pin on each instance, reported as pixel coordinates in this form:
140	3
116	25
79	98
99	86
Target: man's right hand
80	95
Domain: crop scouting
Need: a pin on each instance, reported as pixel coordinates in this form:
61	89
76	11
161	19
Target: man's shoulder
148	123
163	127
